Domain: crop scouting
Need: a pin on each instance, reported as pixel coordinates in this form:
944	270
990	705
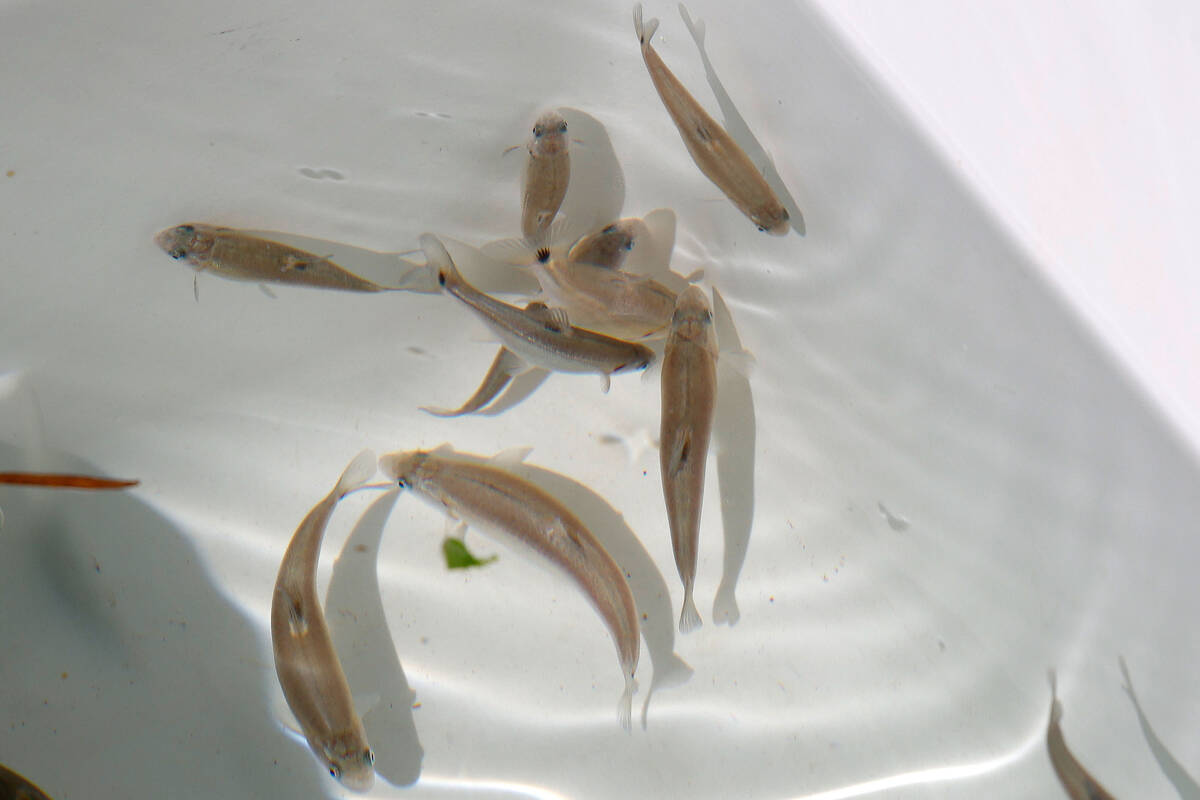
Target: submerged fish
308	667
608	246
547	173
715	152
240	256
57	480
501	503
504	367
17	787
689	395
538	335
1075	780
605	300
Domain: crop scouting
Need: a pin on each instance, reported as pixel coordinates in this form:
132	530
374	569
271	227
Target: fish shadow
735	432
596	192
1184	783
358	626
132	668
650	592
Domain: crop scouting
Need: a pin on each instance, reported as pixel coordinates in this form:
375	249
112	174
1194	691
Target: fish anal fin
682	451
297	623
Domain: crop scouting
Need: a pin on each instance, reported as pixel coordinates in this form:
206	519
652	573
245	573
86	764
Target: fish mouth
359	780
165	239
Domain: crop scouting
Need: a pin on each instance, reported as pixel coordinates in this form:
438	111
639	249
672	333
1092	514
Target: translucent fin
689	617
510	457
605	382
644	31
625	704
358	472
262	287
1056	709
438	260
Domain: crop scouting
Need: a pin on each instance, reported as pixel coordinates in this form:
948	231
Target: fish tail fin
689	617
625	704
438	261
358	472
1056	708
645	31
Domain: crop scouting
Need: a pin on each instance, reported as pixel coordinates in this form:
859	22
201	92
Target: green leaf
459	557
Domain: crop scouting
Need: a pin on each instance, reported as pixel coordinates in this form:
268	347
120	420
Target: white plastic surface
953	484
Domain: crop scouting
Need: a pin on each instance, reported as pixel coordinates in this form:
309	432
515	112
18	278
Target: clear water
950	485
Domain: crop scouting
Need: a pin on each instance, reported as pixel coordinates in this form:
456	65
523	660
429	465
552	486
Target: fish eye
441	278
403	484
762	228
610	229
186	229
707	315
562	127
538	131
177	253
369	757
335	771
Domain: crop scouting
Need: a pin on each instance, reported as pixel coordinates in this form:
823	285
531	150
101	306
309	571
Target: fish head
773	219
403	467
350	761
549	135
188	242
608	247
692	319
643	359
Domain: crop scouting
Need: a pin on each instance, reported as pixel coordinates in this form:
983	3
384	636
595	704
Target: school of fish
589	315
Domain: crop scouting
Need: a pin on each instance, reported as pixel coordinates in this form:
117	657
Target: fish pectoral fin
552	319
297	623
262	287
557	531
605	382
682	451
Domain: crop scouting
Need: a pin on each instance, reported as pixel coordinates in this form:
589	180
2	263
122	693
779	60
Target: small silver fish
504	367
605	300
503	504
715	152
608	246
1075	780
537	334
239	256
689	397
17	787
307	665
547	174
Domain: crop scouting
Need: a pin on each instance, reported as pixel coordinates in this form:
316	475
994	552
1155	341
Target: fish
17	787
712	148
608	246
539	335
1075	780
309	671
504	367
605	300
547	174
63	481
240	256
507	506
689	398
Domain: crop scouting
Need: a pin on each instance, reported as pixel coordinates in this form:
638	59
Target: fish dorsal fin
444	449
510	457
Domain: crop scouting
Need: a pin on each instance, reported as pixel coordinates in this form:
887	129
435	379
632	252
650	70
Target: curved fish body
539	335
503	504
606	300
608	246
239	256
504	367
715	152
307	665
17	787
547	174
1075	780
689	397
